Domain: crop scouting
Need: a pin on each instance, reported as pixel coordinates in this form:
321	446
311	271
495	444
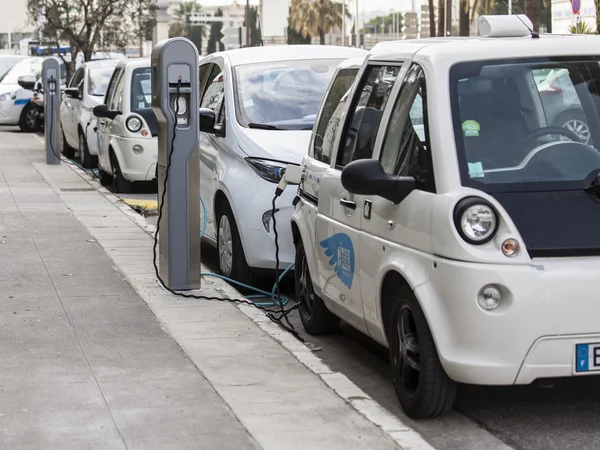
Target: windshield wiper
263	126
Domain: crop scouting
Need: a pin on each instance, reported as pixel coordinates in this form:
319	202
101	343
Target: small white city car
257	110
446	216
86	90
127	129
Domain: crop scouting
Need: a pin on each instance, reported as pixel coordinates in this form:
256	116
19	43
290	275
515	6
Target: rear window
141	95
98	81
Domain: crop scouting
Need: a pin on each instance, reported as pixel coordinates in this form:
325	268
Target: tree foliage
255	34
316	17
92	25
214	39
295	38
383	23
183	28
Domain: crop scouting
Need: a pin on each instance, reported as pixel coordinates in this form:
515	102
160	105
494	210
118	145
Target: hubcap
407	361
225	246
307	293
580	128
30	118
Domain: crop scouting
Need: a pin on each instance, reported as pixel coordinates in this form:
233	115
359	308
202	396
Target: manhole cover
77	189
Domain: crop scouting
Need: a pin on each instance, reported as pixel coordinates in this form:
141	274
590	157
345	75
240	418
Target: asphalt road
562	417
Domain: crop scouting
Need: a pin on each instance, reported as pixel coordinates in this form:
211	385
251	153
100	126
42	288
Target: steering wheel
550	130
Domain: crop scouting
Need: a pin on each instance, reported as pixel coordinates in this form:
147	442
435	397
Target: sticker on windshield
248	103
471	128
141	105
476	170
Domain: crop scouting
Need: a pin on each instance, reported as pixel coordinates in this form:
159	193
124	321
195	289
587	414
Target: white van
443	215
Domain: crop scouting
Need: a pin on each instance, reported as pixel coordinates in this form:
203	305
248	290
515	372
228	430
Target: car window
76	79
331	113
406	149
110	92
29	66
513	133
203	75
98	79
214	94
282	94
362	125
117	98
141	95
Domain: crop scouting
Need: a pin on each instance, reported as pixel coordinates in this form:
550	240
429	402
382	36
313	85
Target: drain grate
77	189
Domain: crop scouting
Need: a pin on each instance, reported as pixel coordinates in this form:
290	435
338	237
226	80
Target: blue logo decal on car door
340	250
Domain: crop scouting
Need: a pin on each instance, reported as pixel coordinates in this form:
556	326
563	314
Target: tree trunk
322	38
441	17
463	18
549	17
597	4
532	10
432	18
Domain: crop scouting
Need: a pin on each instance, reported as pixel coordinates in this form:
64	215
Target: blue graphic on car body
340	250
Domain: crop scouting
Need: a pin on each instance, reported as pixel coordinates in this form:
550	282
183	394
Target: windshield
99	79
31	66
283	95
527	124
7	63
141	95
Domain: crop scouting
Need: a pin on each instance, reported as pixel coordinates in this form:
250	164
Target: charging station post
51	84
175	103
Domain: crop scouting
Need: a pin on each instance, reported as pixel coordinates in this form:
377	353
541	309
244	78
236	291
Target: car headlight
133	124
267	169
476	220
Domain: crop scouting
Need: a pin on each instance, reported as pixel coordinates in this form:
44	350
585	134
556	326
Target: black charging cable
276	316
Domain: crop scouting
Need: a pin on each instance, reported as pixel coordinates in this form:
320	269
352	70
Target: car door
339	212
403	229
102	132
213	97
68	111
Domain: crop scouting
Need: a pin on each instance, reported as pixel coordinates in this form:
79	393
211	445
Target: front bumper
547	308
138	167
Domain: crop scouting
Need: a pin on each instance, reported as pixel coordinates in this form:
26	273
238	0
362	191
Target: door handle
348	203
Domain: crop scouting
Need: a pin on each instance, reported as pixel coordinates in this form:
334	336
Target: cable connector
292	174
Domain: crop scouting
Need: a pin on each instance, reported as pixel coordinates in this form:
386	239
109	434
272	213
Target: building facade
563	18
14	24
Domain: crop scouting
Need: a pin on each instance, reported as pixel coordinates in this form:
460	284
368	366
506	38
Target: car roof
134	63
352	63
476	48
101	63
249	55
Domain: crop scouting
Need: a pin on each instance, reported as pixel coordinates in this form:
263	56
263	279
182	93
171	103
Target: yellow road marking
146	206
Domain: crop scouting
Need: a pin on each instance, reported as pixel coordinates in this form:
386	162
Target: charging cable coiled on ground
276	316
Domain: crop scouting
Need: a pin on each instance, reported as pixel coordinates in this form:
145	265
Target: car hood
4	88
281	145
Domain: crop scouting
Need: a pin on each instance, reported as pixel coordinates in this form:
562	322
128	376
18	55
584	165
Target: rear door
340	212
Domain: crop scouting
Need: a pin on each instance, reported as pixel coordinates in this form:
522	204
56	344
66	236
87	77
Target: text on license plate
587	357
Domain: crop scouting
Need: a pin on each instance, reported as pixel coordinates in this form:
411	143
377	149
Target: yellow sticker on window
471	128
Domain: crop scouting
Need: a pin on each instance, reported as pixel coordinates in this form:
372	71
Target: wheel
28	122
575	121
87	161
315	316
106	179
67	150
421	384
119	183
232	259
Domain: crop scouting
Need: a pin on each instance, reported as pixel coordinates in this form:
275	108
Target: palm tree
532	10
431	18
463	18
316	17
180	25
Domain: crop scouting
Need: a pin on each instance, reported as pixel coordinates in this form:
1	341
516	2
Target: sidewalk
87	365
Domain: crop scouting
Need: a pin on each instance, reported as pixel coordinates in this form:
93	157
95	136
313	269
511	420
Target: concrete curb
403	435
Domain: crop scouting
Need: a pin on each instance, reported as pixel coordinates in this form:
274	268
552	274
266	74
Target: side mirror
367	177
72	93
207	119
27	82
102	111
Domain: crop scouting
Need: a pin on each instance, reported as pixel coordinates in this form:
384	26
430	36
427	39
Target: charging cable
274	315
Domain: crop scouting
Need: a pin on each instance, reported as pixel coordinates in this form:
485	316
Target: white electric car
449	220
86	90
258	107
127	127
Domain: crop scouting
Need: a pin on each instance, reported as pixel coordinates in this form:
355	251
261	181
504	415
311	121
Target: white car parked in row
127	129
257	110
86	90
443	214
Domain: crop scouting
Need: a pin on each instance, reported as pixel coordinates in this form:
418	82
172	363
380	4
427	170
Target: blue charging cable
282	301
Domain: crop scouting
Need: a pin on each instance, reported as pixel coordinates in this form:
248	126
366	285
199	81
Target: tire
28	122
106	179
575	121
232	259
67	150
428	392
119	183
316	318
87	161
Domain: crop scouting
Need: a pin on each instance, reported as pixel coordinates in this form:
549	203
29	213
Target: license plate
587	358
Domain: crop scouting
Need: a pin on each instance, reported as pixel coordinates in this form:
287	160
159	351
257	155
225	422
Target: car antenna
534	35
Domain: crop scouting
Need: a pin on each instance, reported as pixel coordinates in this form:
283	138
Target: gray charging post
175	77
51	84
